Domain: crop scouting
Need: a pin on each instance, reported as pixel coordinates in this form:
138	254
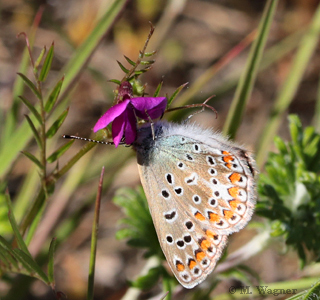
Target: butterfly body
200	188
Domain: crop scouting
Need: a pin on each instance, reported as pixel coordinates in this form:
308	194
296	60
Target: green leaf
30	84
32	109
131	62
157	92
51	261
14	226
33	158
147	62
56	125
53	96
39	59
47	64
123	67
115	81
29	264
175	94
247	79
7	252
148	281
55	155
35	132
148	54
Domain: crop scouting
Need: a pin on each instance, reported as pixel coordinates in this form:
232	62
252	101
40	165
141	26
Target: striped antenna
74	137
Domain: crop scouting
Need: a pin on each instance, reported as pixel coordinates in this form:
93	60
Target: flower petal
118	126
155	106
131	126
111	114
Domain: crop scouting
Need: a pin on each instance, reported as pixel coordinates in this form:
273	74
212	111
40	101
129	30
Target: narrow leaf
176	93
32	158
47	64
147	62
30	84
7	252
39	60
56	125
132	63
51	261
148	54
123	67
157	92
29	264
31	108
14	226
35	132
247	80
55	155
53	97
115	81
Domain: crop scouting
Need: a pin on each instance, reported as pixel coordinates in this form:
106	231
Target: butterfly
200	188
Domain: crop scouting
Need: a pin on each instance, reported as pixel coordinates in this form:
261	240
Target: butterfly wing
191	249
199	189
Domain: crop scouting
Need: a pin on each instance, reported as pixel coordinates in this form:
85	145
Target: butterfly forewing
200	189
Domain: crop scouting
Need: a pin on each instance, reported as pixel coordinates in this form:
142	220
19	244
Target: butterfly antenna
74	137
152	125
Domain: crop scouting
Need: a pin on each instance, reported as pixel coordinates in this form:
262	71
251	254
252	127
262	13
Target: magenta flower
123	114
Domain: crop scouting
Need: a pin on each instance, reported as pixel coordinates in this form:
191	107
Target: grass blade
94	239
290	86
247	80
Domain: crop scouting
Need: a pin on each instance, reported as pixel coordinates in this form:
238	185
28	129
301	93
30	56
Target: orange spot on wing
192	264
200	255
210	234
229	166
225	153
213	217
228	214
199	216
234	204
228	158
205	244
234	177
180	267
234	192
